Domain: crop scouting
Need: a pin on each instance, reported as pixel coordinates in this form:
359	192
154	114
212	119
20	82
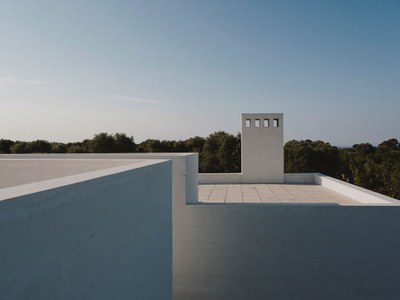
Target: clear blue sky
176	69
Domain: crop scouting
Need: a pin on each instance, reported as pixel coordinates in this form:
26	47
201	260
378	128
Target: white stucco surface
15	172
220	178
184	167
360	194
262	148
245	250
266	251
103	234
184	180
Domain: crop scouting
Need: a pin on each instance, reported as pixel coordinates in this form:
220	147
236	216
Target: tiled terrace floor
270	193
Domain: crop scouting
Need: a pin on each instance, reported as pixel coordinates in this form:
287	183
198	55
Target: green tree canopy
374	168
5	146
311	156
221	153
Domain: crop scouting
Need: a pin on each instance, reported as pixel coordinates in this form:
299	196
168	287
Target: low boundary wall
220	178
99	235
244	251
253	251
355	192
185	176
362	195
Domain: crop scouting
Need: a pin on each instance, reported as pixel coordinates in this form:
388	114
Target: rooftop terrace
271	193
130	221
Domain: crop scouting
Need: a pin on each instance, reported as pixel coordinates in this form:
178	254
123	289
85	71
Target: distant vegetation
374	168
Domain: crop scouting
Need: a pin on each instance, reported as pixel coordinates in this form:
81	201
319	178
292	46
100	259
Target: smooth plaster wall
220	178
288	252
280	251
184	167
105	238
14	172
184	182
360	194
262	149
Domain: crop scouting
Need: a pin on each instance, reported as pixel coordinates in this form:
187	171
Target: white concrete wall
262	149
184	168
184	179
107	237
220	178
15	172
355	192
288	252
276	251
191	176
360	194
301	178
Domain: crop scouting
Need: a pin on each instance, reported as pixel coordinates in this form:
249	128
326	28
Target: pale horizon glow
177	69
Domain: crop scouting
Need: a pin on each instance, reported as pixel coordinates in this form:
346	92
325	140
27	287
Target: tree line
373	167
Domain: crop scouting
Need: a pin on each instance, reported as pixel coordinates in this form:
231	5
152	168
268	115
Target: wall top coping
100	155
25	186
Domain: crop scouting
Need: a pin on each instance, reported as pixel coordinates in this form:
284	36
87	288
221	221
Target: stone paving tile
270	200
270	193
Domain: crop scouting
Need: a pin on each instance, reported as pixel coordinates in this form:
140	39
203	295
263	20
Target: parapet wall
289	251
184	167
363	196
220	251
184	179
107	236
294	252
